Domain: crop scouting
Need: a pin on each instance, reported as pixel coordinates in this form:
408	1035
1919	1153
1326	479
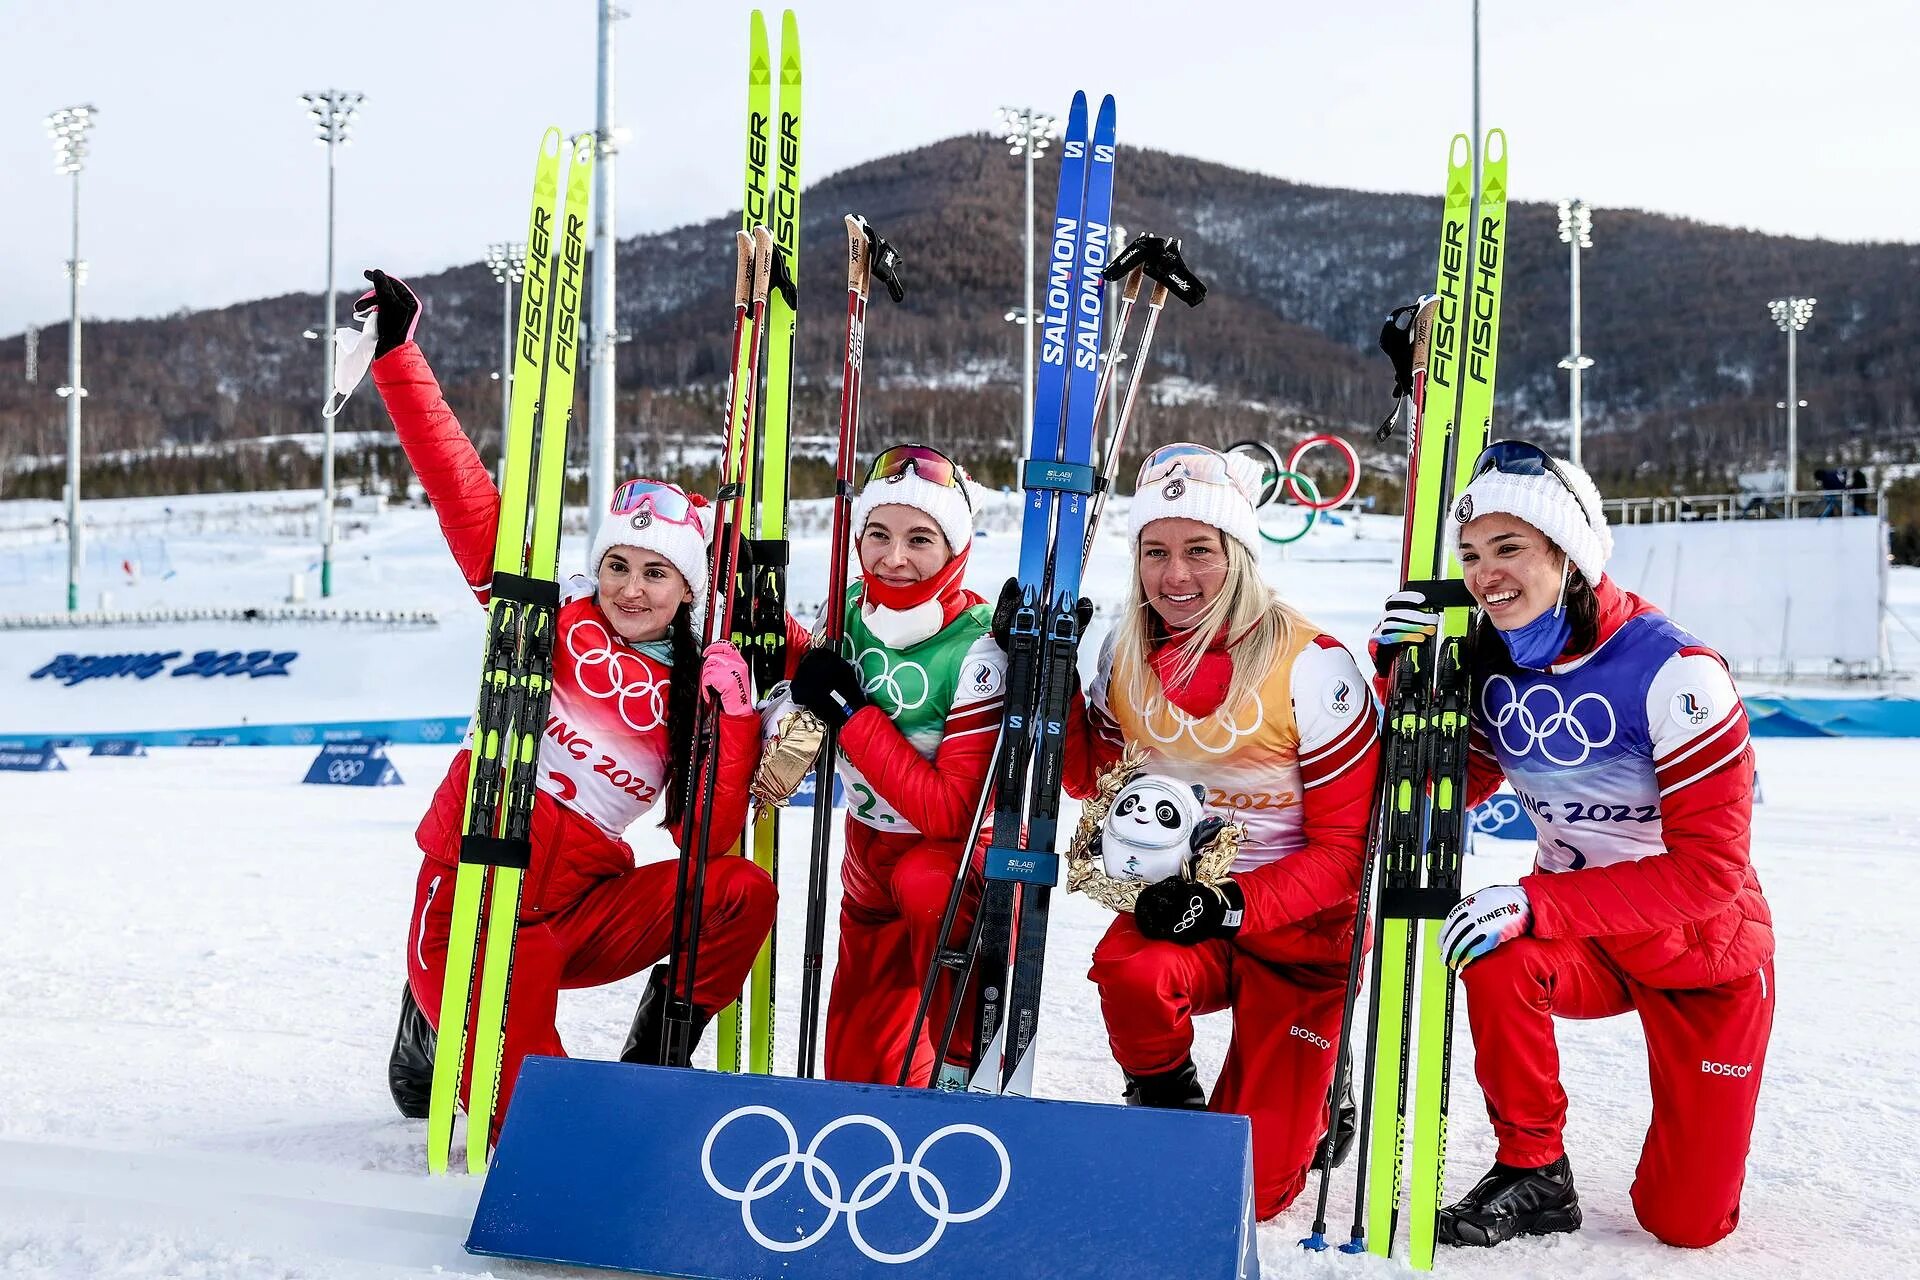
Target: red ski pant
612	931
891	902
1705	1052
1286	1022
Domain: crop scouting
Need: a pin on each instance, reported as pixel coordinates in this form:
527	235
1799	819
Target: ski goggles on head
926	462
1521	458
667	502
1195	461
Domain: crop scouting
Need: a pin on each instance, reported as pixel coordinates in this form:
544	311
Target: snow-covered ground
203	959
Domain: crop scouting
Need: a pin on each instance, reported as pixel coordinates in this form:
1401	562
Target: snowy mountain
1689	365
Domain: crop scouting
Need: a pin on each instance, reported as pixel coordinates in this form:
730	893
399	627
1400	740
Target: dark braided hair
683	705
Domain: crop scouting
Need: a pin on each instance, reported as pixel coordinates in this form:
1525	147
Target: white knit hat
685	546
1226	507
1568	514
951	509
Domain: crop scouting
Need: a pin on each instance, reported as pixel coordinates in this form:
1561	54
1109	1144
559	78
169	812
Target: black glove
827	685
399	311
1187	911
1009	603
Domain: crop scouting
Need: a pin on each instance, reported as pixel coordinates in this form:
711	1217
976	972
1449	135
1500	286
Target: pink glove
724	671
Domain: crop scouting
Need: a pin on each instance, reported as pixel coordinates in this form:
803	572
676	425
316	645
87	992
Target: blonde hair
1257	623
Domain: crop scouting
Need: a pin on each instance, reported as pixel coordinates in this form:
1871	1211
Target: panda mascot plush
1141	828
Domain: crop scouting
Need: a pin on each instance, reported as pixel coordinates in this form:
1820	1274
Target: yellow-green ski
1403	796
753	213
767	647
1446	818
503	912
516	665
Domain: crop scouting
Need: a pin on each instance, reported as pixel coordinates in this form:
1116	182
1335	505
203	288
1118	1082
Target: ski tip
1078	110
1315	1242
1355	1246
1494	151
1460	152
584	147
552	141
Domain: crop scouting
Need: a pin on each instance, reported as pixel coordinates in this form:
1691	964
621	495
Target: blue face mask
1537	644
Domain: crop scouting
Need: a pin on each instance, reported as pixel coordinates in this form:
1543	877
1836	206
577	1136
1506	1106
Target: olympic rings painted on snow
1346	450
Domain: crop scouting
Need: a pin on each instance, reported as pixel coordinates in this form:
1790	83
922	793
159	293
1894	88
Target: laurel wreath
1086	875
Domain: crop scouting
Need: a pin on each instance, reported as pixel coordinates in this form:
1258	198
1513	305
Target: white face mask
352	357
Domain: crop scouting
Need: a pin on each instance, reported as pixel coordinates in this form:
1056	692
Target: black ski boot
1346	1120
1178	1089
410	1065
1511	1202
646	1041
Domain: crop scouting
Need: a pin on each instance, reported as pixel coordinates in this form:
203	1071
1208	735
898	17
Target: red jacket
603	759
1693	915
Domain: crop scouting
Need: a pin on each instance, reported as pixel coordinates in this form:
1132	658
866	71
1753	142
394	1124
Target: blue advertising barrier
118	747
40	759
353	764
1833	717
1502	817
803	798
693	1173
419	729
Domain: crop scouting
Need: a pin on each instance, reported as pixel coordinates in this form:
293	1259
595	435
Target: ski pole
1159	260
757	250
943	955
868	256
1343	1066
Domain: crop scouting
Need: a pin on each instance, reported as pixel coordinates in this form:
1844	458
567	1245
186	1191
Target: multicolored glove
1409	619
724	672
1482	921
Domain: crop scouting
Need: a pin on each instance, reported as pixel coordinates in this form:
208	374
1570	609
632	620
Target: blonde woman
1228	687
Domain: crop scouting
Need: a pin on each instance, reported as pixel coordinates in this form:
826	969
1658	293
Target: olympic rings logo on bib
902	686
1546	725
1203	732
826	1187
608	674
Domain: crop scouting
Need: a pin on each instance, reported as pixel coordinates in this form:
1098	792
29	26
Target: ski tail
481	847
1402	802
1005	860
754	204
1060	640
534	669
1447	720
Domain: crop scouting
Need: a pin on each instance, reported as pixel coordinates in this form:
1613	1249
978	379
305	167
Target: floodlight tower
1027	133
332	111
1576	231
1791	315
69	127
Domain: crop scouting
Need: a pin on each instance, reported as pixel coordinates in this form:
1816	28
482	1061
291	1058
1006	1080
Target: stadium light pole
69	127
1027	133
1576	231
508	261
1790	315
603	346
332	111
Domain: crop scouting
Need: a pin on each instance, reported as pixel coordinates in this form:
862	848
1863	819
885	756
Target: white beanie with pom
685	546
1227	507
1569	514
949	507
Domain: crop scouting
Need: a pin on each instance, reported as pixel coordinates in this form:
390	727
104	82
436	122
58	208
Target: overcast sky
203	186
